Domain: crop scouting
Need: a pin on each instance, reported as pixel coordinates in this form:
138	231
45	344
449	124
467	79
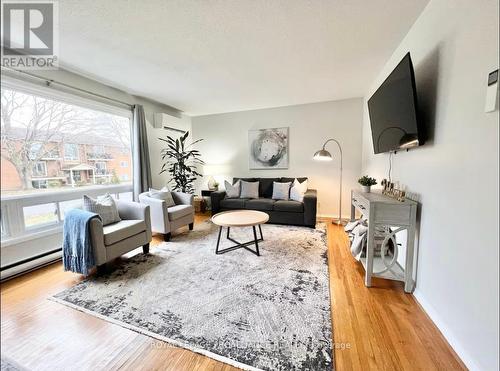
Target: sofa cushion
162	194
260	204
179	211
266	186
116	232
289	206
104	205
298	190
249	189
233	203
281	191
285	180
232	190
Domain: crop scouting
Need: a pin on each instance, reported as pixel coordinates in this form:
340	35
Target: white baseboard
446	331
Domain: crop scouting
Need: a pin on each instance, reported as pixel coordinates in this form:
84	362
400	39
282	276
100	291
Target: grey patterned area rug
270	312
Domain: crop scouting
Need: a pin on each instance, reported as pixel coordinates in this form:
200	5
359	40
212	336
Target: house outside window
71	152
40	169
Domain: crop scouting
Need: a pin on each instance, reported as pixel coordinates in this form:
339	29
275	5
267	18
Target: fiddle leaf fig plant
181	161
367	181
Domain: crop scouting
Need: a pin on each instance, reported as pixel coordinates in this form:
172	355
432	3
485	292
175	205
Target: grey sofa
113	240
279	211
165	220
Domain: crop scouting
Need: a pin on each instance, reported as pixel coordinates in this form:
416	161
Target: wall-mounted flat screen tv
393	111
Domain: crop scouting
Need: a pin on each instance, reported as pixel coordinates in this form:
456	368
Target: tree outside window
36	129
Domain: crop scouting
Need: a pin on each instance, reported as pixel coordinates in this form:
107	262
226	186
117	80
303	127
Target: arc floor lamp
324	155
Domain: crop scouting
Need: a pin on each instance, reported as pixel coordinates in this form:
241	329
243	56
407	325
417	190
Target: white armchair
166	220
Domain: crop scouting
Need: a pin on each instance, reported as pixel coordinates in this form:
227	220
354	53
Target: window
54	153
124	177
40	215
98	149
51	153
123	163
100	168
35	151
71	152
40	169
40	184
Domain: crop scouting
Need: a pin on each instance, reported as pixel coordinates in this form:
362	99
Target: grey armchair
114	240
165	220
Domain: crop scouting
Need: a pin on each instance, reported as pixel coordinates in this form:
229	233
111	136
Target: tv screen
393	111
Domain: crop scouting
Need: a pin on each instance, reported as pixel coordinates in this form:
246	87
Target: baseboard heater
29	264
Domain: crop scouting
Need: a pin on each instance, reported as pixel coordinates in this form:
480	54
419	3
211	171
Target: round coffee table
240	218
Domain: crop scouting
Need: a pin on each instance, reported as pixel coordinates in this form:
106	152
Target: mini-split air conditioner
168	122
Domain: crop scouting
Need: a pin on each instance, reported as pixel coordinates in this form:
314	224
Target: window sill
32	235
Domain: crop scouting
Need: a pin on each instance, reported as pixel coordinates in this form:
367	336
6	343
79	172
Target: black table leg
238	244
218	241
256	241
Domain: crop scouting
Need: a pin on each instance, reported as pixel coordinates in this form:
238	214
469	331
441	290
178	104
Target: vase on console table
212	184
366	182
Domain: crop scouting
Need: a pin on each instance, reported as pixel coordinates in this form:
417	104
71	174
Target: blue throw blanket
78	255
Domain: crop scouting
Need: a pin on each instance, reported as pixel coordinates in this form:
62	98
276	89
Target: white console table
391	216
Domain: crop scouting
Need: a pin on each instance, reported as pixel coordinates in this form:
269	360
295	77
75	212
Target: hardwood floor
380	328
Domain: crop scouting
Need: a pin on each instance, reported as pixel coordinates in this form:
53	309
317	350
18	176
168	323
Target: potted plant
181	162
366	183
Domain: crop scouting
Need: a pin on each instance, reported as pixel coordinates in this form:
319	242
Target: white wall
225	142
454	45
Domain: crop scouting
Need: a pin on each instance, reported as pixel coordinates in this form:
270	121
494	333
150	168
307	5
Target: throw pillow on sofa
298	190
281	191
249	189
104	206
232	190
162	194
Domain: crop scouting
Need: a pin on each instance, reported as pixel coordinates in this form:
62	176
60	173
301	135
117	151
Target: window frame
71	159
33	175
101	163
14	229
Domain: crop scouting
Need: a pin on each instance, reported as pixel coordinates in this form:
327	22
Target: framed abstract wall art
269	148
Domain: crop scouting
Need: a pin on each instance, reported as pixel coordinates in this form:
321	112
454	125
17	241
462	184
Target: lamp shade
322	155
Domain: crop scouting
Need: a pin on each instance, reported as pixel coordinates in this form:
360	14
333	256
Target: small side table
206	193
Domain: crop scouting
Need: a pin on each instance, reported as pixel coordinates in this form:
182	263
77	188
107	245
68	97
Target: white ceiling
213	56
